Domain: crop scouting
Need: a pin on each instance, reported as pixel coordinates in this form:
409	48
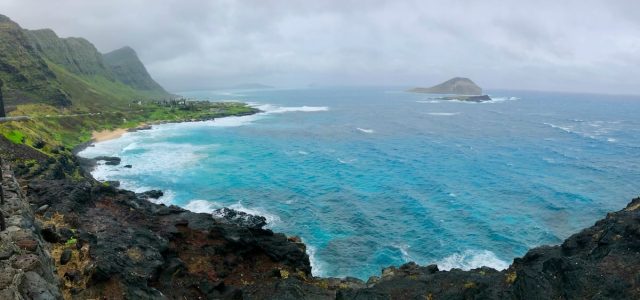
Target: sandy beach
105	135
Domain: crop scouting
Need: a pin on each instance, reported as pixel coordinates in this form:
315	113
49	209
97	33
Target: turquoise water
372	177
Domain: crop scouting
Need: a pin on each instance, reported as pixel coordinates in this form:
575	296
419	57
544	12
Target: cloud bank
591	46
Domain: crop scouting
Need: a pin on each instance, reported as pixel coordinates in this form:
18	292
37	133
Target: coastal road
23	118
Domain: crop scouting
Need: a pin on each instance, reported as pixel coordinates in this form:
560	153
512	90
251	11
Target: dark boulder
152	194
50	234
242	219
65	257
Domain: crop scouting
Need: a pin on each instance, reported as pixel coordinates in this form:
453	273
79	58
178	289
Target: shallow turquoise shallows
372	177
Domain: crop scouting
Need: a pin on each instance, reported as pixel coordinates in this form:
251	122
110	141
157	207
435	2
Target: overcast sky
583	45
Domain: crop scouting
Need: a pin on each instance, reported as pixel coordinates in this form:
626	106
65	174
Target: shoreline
105	135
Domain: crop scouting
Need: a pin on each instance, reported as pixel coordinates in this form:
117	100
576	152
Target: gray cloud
550	45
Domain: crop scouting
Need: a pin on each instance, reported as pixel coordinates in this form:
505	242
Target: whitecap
404	250
233	121
365	130
303	152
346	161
471	259
428	101
274	109
443	113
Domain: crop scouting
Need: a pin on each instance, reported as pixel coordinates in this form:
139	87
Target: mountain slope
37	66
77	55
457	86
127	68
25	73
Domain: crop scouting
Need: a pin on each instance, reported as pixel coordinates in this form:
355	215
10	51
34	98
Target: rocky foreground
76	238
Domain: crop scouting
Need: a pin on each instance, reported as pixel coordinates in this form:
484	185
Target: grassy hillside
25	74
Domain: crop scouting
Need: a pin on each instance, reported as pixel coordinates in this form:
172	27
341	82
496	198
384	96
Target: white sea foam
346	161
274	109
316	266
493	100
303	152
233	121
257	211
596	130
443	113
567	129
205	206
404	250
471	259
365	130
202	206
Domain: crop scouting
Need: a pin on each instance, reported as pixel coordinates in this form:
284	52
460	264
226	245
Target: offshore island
65	235
457	88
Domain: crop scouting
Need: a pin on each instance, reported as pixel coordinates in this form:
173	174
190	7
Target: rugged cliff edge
116	244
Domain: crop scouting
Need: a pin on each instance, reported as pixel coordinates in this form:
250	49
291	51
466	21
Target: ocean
371	177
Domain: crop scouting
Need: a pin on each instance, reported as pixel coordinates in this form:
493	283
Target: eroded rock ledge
117	245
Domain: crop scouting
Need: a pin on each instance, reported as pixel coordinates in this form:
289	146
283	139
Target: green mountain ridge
127	68
37	66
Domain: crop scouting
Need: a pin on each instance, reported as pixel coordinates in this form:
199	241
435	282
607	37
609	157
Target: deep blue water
371	177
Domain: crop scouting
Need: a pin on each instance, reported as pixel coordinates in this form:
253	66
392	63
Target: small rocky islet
457	88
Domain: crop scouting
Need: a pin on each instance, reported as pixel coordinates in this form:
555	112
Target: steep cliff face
26	76
127	68
457	86
77	55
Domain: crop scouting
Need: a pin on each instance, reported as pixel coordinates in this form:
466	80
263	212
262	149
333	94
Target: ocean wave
274	109
365	130
202	206
346	161
233	121
404	250
493	100
443	113
317	268
595	130
471	259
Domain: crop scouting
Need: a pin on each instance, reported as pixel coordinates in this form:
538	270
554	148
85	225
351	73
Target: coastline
105	135
279	265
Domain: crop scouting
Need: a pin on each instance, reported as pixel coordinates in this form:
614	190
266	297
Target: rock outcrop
26	267
456	86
